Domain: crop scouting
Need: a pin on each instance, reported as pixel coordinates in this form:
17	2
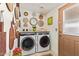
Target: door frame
60	23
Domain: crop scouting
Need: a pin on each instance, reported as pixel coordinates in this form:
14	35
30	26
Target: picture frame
50	21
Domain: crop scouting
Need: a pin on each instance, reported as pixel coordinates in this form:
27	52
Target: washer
43	42
28	43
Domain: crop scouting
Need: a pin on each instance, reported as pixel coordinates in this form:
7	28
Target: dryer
43	42
28	42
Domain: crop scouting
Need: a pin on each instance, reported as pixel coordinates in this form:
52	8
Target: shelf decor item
50	21
34	28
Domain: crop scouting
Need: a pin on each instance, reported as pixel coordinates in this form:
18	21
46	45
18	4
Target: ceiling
40	7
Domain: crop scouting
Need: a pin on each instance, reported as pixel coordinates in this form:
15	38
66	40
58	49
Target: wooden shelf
46	53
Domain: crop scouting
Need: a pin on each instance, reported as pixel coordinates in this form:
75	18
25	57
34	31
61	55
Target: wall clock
33	21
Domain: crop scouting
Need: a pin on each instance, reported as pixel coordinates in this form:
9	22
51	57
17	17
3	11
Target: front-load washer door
27	43
44	41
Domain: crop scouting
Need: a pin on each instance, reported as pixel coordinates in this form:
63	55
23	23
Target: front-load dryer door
27	44
44	43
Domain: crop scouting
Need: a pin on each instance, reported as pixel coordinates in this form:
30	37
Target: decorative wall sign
25	13
25	21
40	16
40	23
50	21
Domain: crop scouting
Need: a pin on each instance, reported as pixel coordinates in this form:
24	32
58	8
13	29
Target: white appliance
27	42
43	42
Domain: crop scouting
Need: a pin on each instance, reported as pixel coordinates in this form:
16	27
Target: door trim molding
60	22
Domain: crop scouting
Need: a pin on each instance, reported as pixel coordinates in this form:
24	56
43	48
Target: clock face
33	21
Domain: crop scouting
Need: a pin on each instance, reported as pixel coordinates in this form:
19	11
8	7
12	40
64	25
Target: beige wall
54	33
